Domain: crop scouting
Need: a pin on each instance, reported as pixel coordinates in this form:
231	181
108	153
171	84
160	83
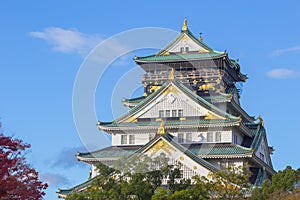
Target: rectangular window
262	156
210	137
180	137
151	136
161	113
218	137
174	113
131	139
168	113
189	137
181	49
123	139
186	49
180	113
235	139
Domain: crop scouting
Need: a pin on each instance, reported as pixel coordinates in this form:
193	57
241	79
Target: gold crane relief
207	86
161	144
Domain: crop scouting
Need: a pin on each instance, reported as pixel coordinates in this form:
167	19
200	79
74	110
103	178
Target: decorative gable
178	154
184	44
173	102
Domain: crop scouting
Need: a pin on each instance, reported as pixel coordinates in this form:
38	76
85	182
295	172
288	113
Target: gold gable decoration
172	74
161	129
210	116
161	144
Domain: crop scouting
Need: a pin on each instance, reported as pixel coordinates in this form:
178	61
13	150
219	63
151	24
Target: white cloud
282	51
53	179
68	40
281	73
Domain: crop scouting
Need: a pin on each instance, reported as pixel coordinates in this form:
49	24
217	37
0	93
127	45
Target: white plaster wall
94	171
186	42
262	149
201	136
140	139
175	102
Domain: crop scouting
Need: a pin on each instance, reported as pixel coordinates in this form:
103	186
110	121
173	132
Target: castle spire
184	26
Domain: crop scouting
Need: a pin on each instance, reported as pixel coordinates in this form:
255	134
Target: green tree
285	180
231	183
282	186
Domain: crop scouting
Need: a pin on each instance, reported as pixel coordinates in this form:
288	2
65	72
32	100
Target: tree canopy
284	185
142	178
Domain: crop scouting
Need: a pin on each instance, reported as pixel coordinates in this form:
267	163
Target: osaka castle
190	110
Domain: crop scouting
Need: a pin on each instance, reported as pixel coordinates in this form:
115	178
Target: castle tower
189	110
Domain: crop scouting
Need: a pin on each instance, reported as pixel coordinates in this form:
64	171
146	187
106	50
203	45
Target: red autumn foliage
17	179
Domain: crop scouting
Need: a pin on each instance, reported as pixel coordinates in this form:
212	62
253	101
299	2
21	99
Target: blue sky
44	43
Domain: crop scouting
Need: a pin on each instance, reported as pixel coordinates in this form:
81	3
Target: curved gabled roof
199	100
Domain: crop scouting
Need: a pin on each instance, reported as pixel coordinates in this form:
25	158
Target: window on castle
210	137
186	49
180	113
131	139
168	113
262	156
181	49
123	139
235	139
188	137
161	113
180	137
174	113
218	136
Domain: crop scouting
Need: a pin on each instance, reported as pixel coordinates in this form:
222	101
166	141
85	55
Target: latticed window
180	113
180	137
262	156
174	113
168	113
189	137
131	139
218	137
161	113
123	139
235	139
210	137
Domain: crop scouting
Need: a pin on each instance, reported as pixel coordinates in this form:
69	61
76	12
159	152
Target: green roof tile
112	151
179	57
218	149
170	123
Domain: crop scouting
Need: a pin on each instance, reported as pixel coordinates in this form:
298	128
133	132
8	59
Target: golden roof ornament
261	121
172	74
184	26
161	129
